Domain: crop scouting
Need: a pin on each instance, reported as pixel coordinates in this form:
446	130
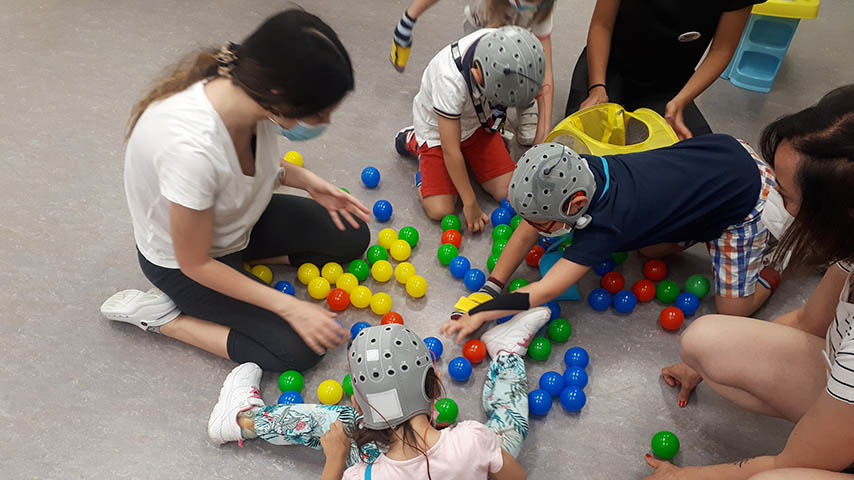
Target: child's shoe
399	56
405	143
239	393
147	310
516	334
527	129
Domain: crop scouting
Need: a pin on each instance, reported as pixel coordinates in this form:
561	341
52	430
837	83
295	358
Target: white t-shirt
181	152
840	342
520	18
444	92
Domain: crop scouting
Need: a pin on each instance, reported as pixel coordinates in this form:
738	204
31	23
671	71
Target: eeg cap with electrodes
388	367
513	63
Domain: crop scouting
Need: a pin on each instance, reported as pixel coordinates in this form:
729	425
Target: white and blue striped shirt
840	342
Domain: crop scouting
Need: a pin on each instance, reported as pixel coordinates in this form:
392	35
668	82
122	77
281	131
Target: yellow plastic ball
347	282
294	157
360	297
329	392
386	237
319	288
416	286
382	271
307	272
331	271
404	272
381	303
400	250
263	272
247	267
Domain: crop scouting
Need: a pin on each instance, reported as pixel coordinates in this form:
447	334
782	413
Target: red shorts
484	154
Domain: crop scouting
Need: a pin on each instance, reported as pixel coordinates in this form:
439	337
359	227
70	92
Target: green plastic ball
291	380
376	253
560	330
446	253
666	291
451	222
567	242
447	410
410	235
498	247
540	349
502	232
347	384
490	263
360	269
665	445
698	285
515	221
517	284
619	257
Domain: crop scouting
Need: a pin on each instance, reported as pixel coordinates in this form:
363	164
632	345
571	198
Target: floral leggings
505	400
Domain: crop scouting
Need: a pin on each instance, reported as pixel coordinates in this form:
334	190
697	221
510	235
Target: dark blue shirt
692	190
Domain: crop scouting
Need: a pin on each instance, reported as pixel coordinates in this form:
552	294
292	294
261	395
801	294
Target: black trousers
622	90
294	226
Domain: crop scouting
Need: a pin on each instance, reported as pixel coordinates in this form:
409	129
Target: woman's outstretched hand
315	325
336	201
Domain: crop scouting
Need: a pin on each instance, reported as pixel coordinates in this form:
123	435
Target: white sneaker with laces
239	393
146	310
514	335
527	121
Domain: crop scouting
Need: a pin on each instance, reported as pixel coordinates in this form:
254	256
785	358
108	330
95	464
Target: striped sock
403	31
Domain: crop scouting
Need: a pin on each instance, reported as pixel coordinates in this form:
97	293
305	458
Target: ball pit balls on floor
383	210
382	270
498	247
285	286
400	250
554	309
374	254
644	290
599	299
540	349
559	330
625	301
474	351
515	221
474	279
535	254
604	267
572	399
416	286
459	369
435	346
391	317
539	402
329	392
381	303
665	445
291	380
359	268
447	411
671	318
575	376
347	385
338	299
666	291
505	204
491	261
331	271
687	302
360	296
459	266
263	272
454	237
502	232
403	272
446	253
293	157
358	327
371	177
613	282
698	285
576	357
386	236
552	382
290	398
655	270
451	222
319	288
347	282
410	235
517	284
501	216
619	257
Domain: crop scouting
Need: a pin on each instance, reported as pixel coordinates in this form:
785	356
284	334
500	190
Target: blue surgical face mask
303	131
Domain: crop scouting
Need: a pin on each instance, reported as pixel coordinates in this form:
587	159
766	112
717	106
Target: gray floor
83	398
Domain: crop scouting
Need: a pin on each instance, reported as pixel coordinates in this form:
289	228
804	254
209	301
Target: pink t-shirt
466	451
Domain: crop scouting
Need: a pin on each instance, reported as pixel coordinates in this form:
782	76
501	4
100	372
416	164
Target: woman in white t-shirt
801	365
201	166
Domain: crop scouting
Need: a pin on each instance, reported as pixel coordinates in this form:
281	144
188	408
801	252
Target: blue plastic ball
382	210
371	177
501	216
290	397
505	204
604	267
503	319
625	301
285	286
474	279
555	308
575	376
547	242
552	382
573	399
435	346
599	299
460	369
688	303
358	327
539	402
459	266
576	357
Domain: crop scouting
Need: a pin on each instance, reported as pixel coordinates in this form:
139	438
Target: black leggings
294	226
621	91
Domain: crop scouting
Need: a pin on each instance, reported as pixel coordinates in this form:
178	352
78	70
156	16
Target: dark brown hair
823	137
498	13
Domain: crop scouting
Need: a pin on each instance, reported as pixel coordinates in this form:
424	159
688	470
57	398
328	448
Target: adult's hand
673	115
336	201
595	97
663	470
315	325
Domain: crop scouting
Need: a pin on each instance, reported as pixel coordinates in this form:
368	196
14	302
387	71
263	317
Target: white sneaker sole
143	309
246	373
523	326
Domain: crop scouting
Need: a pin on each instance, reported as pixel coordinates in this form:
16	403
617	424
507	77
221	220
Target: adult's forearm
227	281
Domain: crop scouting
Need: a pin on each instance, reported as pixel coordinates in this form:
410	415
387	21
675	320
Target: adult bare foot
681	374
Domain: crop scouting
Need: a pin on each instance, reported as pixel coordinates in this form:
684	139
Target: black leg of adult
578	86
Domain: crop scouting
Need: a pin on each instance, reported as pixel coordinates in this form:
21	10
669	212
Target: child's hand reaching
463	327
336	447
476	219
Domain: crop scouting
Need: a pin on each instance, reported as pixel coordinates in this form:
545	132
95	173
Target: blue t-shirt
692	190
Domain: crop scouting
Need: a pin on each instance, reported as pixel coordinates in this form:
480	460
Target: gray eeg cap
514	65
388	366
546	177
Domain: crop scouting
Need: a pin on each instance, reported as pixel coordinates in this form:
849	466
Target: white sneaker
514	335
527	128
146	310
239	393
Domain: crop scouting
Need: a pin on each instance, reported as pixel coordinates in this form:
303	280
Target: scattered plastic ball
294	158
454	237
360	296
540	349
307	272
559	330
400	250
474	351
371	177
613	282
575	376
382	271
319	288
435	346
291	380
381	303
552	382
671	318
599	299
358	327
505	204
409	235
517	284
347	385
573	399
474	279
555	309
403	272
625	301
347	282
285	286
501	216
459	266
644	290
382	210
329	392
391	317
360	269
491	261
503	319
338	299
263	272
289	398
698	285
498	247
539	402
416	286
386	236
331	271
459	369
604	267
534	255
451	222
515	221
666	291
655	270
688	303
502	232
665	445
576	357
446	253
375	252
546	242
247	267
619	257
447	411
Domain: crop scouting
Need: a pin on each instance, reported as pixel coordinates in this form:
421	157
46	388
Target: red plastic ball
534	256
391	317
453	237
474	351
655	270
671	318
644	290
613	282
338	299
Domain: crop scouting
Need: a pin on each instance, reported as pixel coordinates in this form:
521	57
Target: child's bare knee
437	209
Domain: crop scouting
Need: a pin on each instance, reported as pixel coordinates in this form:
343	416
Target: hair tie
226	59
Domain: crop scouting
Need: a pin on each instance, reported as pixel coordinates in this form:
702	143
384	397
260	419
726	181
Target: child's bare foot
681	374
